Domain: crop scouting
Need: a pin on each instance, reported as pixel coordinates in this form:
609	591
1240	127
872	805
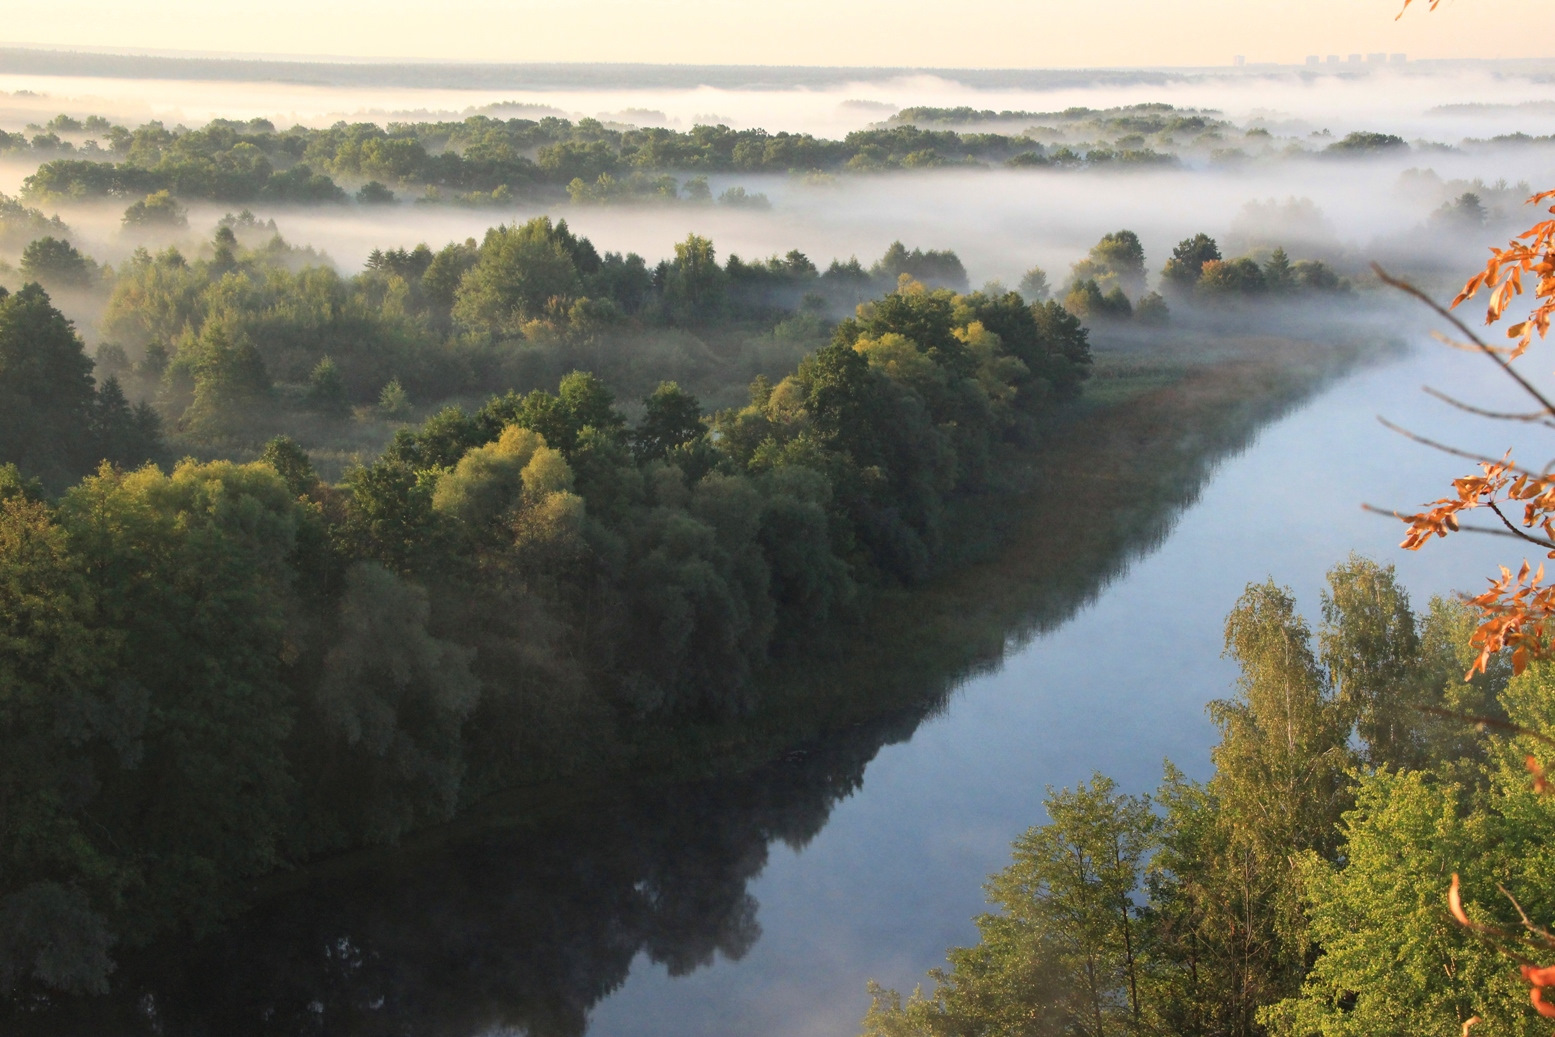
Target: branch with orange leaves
1517	612
1532	254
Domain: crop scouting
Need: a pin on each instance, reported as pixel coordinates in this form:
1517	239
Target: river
895	877
761	903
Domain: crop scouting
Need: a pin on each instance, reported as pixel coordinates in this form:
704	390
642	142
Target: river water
894	878
762	903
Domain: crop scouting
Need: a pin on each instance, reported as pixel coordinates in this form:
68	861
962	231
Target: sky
966	34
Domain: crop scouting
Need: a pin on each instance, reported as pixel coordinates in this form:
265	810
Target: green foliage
1362	142
20	224
122	434
255	666
390	703
1183	269
190	579
934	268
1152	310
394	401
1277	273
1034	285
672	418
61	720
1300	890
482	158
229	377
519	272
374	193
1237	279
693	284
292	464
1233	277
158	209
1063	955
1392	957
1117	261
46	392
487	482
738	198
1279	771
327	389
389	517
56	262
1085	299
53	423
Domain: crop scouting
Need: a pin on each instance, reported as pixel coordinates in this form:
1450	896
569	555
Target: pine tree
327	390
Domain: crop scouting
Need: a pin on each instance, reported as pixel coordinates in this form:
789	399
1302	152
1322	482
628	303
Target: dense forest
297	640
484	159
1301	890
531	908
221	667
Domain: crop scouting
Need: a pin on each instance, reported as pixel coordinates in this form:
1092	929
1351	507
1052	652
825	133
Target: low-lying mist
1442	101
1000	222
1348	212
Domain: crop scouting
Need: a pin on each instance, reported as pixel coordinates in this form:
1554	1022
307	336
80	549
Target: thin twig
1462	527
1539	931
1534	416
1454	451
1540	541
1490	351
1469	347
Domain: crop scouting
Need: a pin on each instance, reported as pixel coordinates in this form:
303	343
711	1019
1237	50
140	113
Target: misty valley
510	554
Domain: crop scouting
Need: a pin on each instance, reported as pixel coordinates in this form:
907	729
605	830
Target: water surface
761	902
895	876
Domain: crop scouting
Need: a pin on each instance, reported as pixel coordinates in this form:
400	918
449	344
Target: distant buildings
1333	60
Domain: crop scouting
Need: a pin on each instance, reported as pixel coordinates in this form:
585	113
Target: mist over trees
483	159
227	667
494	512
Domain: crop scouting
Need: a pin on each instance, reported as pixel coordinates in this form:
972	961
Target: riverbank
1116	475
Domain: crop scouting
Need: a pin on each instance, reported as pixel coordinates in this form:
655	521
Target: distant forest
485	159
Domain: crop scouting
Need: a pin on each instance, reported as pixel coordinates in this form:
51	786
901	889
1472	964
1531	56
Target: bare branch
1540	541
1454	451
1469	347
1539	931
1534	416
1488	350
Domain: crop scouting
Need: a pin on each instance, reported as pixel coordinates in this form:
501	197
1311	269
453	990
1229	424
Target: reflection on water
532	925
523	928
528	925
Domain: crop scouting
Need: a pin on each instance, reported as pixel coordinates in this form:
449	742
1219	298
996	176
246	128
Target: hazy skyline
975	34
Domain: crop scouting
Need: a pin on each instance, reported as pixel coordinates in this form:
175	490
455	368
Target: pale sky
966	33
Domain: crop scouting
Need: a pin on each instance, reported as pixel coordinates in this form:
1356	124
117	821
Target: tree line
1300	890
252	336
1110	284
484	160
471	160
219	669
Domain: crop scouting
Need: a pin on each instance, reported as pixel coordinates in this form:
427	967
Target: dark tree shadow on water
525	926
